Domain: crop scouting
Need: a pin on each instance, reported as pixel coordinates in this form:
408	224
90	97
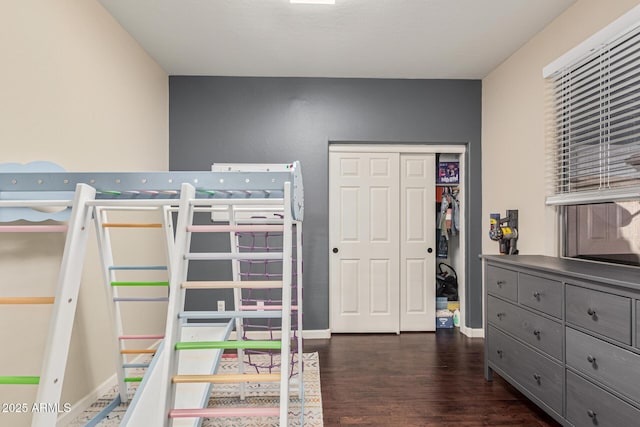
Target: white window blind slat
594	124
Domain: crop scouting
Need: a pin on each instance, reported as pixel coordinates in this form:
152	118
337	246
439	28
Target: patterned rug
257	395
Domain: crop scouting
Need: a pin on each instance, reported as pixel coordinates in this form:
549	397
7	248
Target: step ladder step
225	345
248	228
131	225
212	256
224	412
18	379
27	300
190	315
255	284
139	283
226	378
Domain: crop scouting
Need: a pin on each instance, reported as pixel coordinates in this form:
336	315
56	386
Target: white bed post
287	260
64	308
179	269
299	310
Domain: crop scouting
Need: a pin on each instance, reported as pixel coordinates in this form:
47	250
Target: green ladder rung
13	379
225	345
139	283
133	379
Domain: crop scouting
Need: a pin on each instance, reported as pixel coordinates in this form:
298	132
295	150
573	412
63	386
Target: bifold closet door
364	242
417	242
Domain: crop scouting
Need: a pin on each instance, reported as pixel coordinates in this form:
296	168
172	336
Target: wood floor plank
416	379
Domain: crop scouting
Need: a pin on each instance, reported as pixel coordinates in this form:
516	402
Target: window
594	145
608	232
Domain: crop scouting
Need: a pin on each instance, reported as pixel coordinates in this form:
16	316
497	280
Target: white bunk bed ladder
148	279
64	302
177	348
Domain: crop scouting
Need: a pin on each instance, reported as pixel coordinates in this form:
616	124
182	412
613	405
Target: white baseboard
316	334
472	332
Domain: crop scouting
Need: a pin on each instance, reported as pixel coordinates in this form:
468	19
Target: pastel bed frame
177	382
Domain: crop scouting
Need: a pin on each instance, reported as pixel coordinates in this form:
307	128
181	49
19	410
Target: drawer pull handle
536	295
501	315
591	414
591	312
591	359
500	283
500	352
537	377
536	332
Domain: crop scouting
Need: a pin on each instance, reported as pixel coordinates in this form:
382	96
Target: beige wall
75	89
513	145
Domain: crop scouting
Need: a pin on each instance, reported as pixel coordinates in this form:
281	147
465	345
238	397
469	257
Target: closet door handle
335	250
430	250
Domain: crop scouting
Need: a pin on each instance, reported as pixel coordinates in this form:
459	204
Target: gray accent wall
278	120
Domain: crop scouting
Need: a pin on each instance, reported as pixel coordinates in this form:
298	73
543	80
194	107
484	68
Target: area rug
256	395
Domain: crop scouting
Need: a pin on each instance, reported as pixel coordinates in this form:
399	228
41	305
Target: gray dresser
566	333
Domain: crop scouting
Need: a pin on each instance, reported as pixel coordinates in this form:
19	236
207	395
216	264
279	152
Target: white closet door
417	234
364	242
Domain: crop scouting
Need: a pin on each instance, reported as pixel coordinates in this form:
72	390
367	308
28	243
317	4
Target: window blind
593	127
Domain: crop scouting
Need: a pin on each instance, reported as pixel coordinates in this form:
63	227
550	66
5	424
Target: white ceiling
434	39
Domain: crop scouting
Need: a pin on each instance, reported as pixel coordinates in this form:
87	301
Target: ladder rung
138	267
229	314
27	300
211	256
135	365
140	299
130	225
249	228
133	379
226	378
211	345
256	284
139	283
265	307
224	412
138	351
33	228
141	337
17	379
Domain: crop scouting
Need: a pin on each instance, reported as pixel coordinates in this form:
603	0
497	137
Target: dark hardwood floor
415	379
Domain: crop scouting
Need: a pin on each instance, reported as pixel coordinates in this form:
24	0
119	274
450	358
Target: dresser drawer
540	376
502	282
544	334
541	294
600	312
587	405
611	365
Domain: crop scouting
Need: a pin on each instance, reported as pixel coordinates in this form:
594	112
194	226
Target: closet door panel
417	234
364	242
